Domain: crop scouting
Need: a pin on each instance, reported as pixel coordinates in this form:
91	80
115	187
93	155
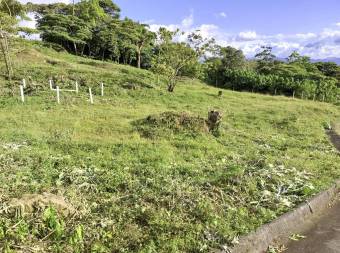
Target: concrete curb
297	221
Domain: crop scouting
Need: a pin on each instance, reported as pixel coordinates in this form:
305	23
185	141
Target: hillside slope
126	182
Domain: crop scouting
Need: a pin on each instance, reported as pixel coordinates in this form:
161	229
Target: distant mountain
331	59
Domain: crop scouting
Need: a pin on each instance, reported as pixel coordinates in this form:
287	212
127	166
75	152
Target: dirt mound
29	203
161	124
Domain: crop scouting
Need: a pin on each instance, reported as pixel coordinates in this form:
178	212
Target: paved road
324	237
335	139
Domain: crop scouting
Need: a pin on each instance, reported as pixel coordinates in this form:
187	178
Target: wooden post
102	89
314	97
77	87
22	93
91	96
303	95
293	94
58	95
323	98
51	85
24	83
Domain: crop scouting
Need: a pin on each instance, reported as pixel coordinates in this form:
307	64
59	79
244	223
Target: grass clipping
171	123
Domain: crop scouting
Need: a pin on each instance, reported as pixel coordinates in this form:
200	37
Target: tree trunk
171	86
103	55
5	52
75	48
139	60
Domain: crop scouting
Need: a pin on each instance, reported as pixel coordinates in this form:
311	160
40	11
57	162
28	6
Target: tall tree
143	39
330	69
232	58
10	12
265	59
105	41
172	57
69	31
135	39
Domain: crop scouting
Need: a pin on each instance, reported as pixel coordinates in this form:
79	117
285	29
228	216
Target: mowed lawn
175	191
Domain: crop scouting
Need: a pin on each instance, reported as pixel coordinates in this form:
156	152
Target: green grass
337	128
175	192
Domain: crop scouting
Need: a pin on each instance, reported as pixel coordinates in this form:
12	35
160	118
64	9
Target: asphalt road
324	237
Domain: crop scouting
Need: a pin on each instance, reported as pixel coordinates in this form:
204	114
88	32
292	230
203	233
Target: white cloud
148	22
188	22
248	35
316	45
222	15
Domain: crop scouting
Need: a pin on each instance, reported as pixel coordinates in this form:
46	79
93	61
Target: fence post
24	83
58	95
22	95
294	94
323	98
303	95
91	96
51	85
102	89
77	87
314	97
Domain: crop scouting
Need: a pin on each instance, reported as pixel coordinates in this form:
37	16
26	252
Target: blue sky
263	16
311	27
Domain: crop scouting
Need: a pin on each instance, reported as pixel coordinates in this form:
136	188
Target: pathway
325	236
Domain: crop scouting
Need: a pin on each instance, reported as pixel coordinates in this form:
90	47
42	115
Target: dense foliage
298	76
10	12
93	28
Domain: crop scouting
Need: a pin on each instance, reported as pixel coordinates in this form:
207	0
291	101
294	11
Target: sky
312	27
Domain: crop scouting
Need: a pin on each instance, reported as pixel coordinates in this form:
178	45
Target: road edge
297	221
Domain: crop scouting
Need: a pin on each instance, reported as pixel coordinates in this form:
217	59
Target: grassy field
337	127
119	184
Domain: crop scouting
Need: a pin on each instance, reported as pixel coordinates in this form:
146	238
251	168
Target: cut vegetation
138	171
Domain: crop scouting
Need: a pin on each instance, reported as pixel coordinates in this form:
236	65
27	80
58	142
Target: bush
246	80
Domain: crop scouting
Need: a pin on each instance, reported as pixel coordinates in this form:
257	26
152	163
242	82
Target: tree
232	58
143	38
296	59
136	37
172	57
69	31
293	57
328	68
110	8
265	59
10	10
105	40
212	71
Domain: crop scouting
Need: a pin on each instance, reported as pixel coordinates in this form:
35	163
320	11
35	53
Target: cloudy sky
311	27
